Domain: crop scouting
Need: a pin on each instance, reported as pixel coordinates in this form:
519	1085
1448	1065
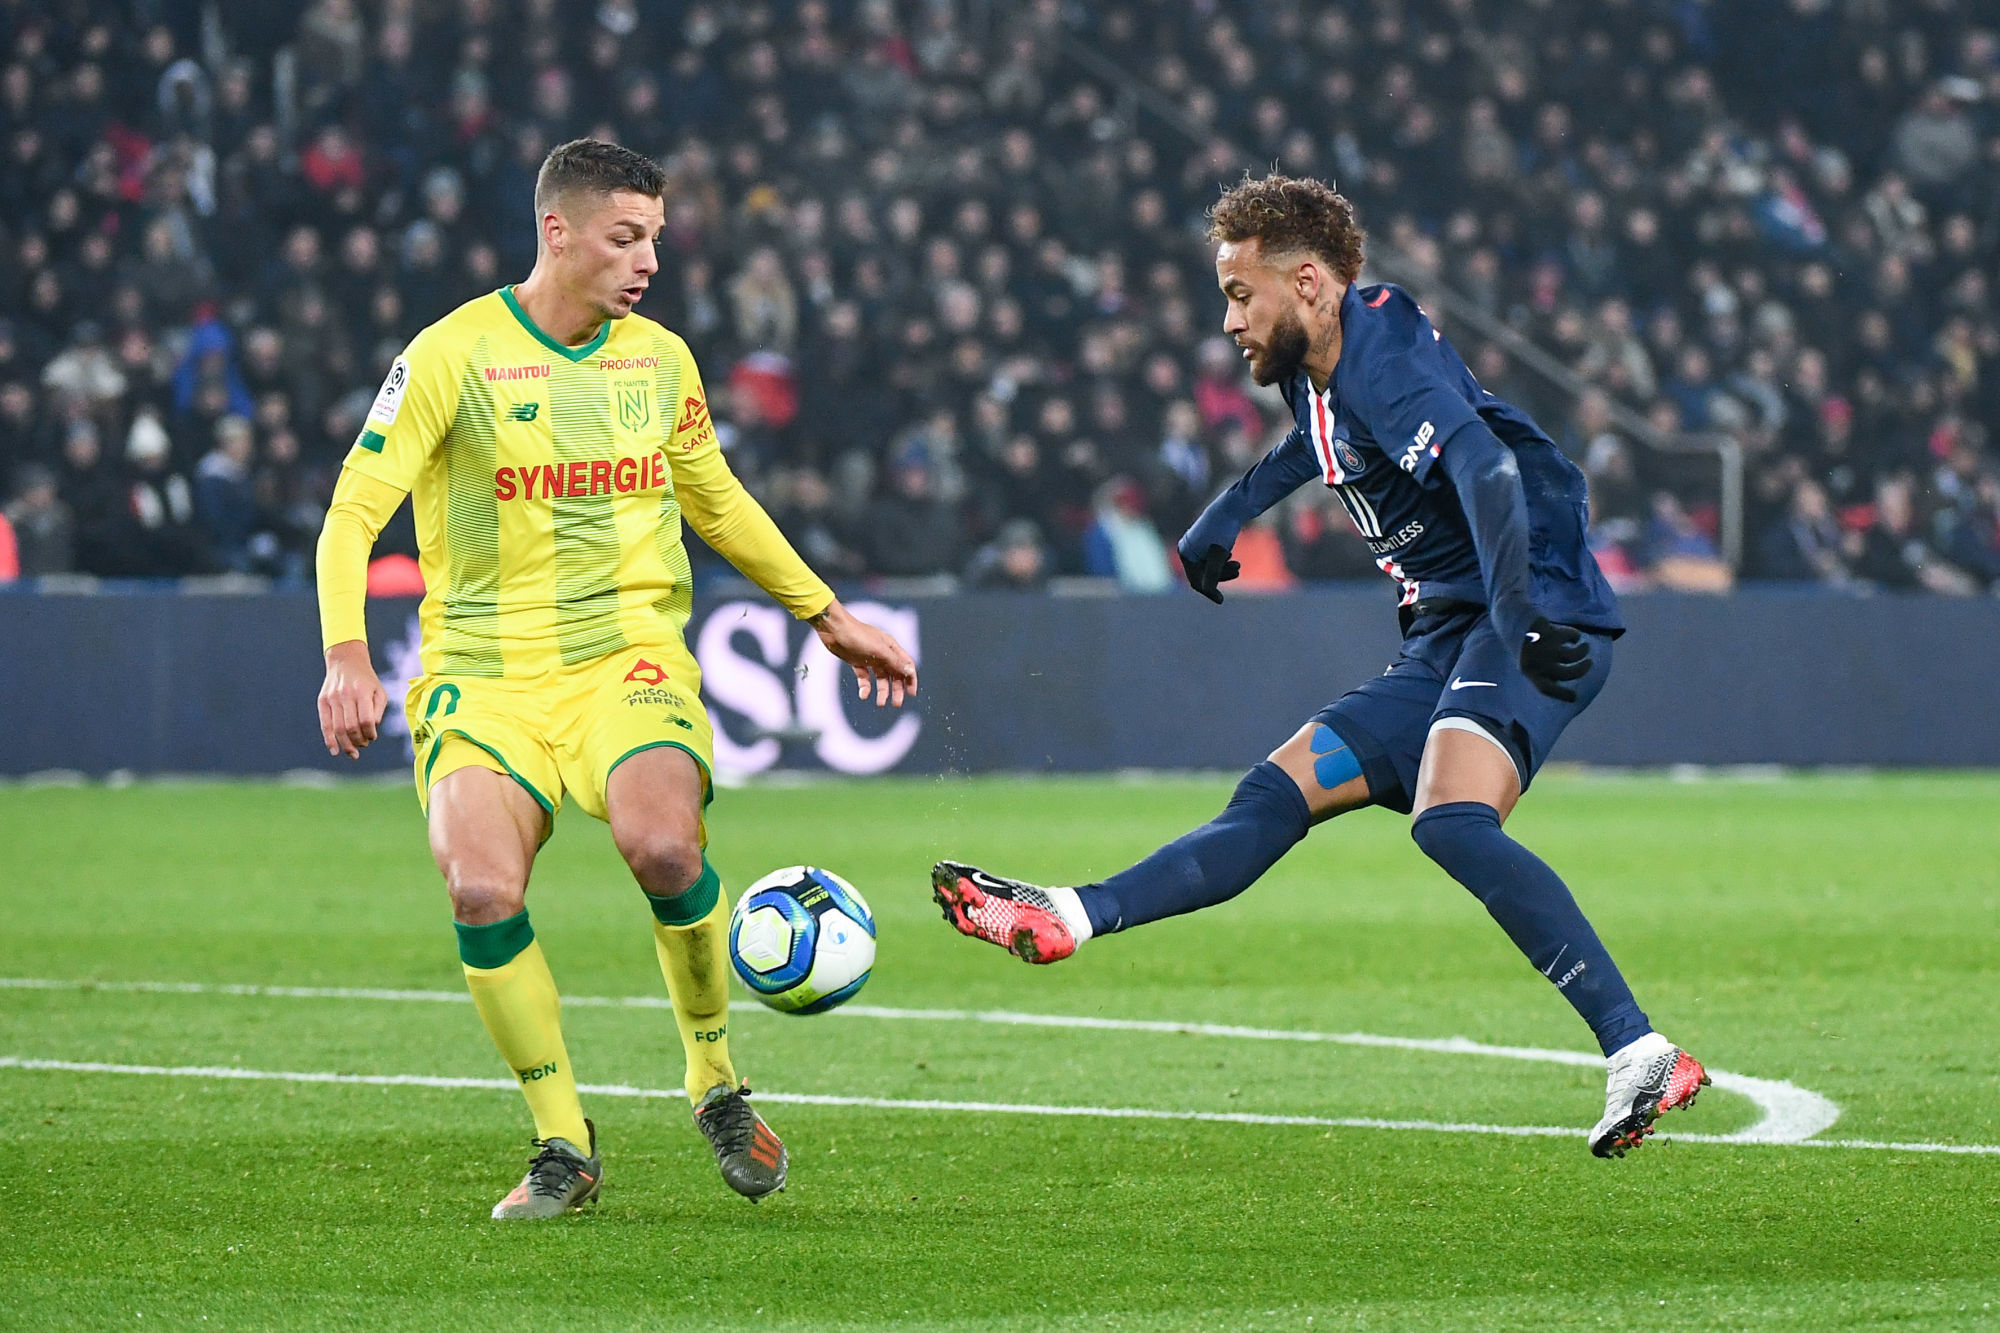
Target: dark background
158	684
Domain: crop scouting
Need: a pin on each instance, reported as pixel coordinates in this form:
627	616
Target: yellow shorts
563	731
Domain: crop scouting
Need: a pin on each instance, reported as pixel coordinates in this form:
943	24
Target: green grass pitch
1836	932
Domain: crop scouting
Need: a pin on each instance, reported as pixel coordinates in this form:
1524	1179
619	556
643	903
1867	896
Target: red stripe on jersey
1323	443
1395	571
1380	297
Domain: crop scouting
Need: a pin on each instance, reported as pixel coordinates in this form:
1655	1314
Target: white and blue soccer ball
802	940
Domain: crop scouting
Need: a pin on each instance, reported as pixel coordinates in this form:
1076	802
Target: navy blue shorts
1453	665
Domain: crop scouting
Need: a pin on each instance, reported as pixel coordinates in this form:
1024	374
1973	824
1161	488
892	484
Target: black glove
1206	574
1552	654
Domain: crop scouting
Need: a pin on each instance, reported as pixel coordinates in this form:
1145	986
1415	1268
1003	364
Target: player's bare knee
665	861
481	895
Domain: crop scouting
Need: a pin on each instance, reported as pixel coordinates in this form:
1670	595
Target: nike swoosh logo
1533	637
1468	684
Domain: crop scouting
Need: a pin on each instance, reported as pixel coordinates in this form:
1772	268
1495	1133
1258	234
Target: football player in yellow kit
552	441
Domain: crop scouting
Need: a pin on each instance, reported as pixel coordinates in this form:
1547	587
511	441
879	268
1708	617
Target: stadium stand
942	261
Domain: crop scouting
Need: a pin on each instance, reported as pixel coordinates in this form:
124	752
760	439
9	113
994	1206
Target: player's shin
516	997
1537	911
1266	817
691	936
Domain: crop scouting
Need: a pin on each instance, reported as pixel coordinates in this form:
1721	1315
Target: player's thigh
484	829
1364	747
653	802
1463	761
1326	770
466	722
1493	730
620	713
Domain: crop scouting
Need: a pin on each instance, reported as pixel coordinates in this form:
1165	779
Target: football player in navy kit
1507	623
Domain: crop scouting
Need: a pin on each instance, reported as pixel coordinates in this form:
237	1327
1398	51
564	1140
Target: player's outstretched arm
1204	549
880	663
351	700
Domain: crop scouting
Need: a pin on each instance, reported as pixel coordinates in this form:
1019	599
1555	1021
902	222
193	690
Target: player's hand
1207	572
351	701
1553	654
880	663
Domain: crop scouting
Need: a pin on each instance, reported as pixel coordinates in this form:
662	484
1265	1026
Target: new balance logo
523	411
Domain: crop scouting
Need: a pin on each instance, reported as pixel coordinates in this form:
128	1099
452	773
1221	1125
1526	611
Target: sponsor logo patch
695	428
635	406
495	374
647	673
389	398
524	411
598	476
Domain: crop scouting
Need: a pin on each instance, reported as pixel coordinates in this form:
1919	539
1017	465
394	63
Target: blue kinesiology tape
1336	763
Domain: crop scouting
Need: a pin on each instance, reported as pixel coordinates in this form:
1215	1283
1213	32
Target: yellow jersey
549	484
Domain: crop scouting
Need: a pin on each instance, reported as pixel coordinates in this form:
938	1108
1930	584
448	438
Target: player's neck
555	312
1320	363
1323	352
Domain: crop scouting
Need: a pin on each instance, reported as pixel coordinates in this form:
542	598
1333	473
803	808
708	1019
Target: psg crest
1350	457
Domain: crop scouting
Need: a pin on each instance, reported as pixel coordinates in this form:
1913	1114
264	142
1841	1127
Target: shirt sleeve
411	414
361	505
1413	409
1488	481
727	516
1289	465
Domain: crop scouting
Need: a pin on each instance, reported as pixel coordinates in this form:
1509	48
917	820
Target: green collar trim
582	353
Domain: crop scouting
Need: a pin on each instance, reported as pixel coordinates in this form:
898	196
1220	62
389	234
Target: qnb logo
766	685
1414	454
538	1073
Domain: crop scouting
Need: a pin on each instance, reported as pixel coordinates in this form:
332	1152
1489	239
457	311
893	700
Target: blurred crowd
942	260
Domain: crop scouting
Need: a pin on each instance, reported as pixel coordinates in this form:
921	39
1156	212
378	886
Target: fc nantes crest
635	406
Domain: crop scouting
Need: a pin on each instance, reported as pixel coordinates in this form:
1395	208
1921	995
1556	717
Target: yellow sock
694	959
518	1003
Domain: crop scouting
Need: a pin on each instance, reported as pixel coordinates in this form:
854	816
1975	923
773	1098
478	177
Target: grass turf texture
1832	931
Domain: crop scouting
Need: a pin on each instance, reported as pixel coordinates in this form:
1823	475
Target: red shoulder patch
1380	298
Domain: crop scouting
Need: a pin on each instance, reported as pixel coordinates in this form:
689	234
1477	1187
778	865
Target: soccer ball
802	940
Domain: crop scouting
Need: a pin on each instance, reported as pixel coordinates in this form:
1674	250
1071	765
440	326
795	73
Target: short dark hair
595	167
1289	214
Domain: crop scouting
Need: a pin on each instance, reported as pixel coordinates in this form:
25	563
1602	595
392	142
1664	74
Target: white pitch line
232	1072
1787	1112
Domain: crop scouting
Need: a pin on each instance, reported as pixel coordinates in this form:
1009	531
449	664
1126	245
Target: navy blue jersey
1398	398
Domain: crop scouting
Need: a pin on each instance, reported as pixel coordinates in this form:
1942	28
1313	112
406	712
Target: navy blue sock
1535	908
1265	817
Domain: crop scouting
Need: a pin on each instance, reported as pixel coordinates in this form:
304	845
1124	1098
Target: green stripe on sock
684	909
494	945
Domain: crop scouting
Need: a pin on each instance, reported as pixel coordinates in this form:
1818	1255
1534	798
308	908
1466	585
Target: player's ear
1307	279
553	231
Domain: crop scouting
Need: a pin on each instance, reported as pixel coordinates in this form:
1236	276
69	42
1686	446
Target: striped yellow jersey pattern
548	484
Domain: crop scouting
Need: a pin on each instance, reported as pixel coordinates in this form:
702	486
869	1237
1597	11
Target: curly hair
1288	215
